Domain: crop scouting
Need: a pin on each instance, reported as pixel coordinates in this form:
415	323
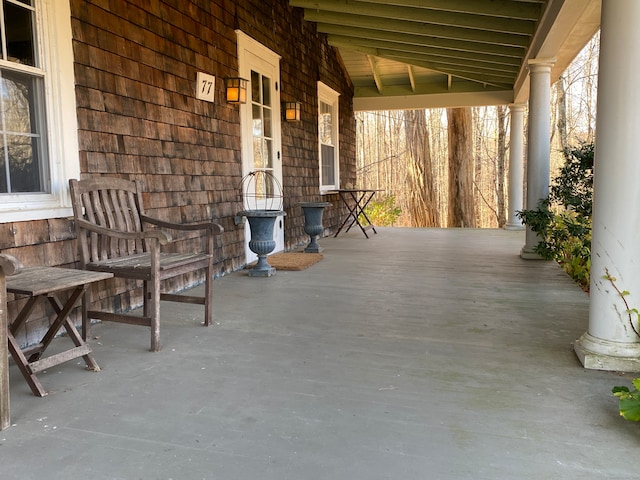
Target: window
36	159
21	123
328	138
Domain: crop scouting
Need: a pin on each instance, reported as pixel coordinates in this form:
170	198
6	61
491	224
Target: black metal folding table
356	200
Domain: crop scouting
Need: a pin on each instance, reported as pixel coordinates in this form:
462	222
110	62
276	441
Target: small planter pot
261	223
313	223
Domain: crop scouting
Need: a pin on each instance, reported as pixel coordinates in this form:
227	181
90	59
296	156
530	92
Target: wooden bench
116	236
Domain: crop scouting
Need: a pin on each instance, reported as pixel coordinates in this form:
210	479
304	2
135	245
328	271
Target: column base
527	253
598	354
514	226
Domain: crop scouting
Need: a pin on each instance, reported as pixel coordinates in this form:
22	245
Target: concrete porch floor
416	354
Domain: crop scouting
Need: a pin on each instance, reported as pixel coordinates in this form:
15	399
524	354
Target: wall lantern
236	90
292	111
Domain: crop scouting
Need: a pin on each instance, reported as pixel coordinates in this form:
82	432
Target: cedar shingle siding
138	118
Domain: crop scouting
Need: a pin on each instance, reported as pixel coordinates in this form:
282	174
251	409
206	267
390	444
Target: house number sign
205	87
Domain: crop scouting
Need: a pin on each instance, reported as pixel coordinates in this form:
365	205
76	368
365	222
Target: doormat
292	260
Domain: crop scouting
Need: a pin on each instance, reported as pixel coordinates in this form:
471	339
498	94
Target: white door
260	123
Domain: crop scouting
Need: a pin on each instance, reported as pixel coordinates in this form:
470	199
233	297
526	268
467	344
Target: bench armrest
9	265
214	228
162	237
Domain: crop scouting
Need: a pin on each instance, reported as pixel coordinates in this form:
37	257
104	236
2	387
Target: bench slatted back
111	203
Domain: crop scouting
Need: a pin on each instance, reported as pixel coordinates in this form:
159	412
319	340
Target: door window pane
266	112
266	91
262	115
256	114
255	87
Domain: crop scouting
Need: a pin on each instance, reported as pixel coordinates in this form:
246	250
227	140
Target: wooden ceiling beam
470	72
412	78
420	40
420	15
509	73
531	10
375	73
483	58
456	33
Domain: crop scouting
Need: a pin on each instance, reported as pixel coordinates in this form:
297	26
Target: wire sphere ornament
261	190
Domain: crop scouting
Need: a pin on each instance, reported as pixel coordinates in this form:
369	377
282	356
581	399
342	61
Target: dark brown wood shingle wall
138	118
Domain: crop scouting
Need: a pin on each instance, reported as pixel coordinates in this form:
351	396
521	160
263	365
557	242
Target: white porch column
610	343
516	167
538	144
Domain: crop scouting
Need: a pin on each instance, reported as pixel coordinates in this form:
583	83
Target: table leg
63	320
36	363
348	216
20	320
23	366
62	312
353	212
364	214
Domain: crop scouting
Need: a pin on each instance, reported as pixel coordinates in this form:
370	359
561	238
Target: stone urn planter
313	223
262	202
261	223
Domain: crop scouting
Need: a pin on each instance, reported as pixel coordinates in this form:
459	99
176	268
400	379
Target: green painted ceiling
434	53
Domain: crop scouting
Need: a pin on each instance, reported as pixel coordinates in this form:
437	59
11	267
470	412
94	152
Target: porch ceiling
442	53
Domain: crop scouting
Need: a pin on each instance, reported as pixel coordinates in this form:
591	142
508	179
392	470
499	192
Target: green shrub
383	212
563	220
629	401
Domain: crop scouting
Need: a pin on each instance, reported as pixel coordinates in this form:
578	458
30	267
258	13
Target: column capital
541	64
516	107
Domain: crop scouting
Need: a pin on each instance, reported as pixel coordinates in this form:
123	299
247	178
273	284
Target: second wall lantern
292	111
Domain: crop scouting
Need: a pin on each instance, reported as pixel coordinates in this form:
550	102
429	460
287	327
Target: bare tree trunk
477	130
421	185
461	207
500	166
438	141
591	84
561	113
379	153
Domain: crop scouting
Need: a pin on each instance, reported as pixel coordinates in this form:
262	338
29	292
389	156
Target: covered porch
416	354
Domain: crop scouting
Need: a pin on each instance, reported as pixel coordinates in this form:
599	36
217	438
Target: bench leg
5	418
152	310
208	295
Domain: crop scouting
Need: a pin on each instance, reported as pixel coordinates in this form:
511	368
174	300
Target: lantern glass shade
236	90
292	111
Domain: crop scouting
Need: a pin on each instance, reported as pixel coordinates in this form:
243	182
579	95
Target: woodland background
449	167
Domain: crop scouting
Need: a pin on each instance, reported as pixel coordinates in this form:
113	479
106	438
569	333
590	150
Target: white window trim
329	96
55	45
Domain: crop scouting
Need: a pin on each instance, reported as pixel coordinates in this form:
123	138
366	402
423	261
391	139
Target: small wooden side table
47	283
